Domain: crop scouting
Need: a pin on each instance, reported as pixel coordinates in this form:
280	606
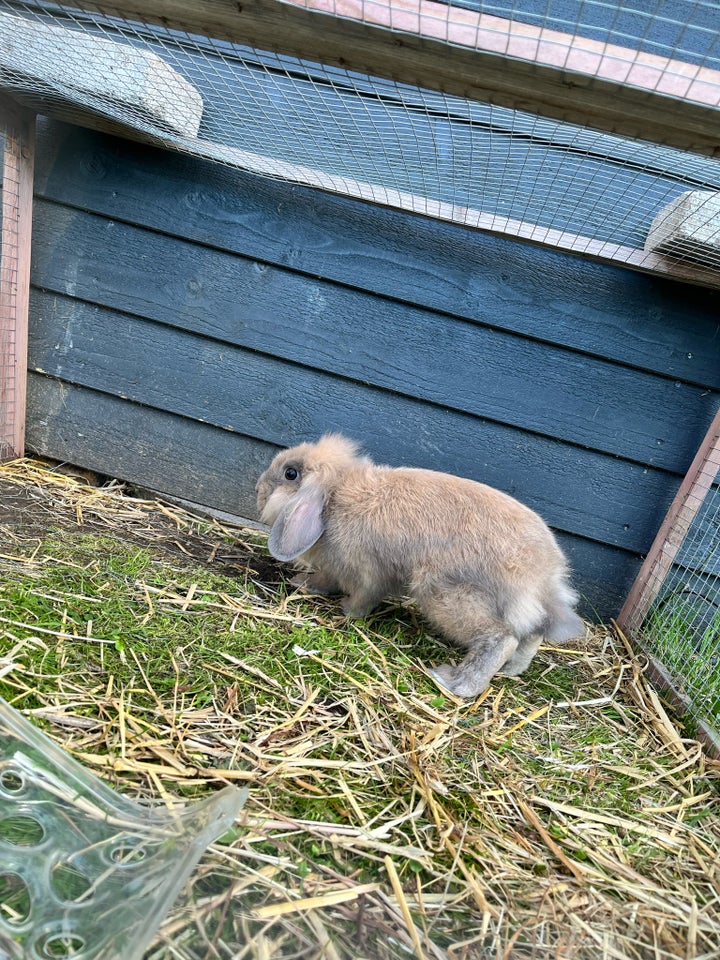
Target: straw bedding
560	815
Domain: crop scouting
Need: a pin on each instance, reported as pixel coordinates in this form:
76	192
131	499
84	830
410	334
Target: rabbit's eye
291	473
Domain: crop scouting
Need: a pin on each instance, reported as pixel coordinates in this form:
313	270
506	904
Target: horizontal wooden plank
165	453
468	367
575	489
183	458
482	74
556	207
601	574
674	329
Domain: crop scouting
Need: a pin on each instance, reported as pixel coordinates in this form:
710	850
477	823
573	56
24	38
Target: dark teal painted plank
602	575
700	550
184	458
468	367
162	452
576	490
663	326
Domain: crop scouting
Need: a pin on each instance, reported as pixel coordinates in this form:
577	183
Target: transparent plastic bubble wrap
84	872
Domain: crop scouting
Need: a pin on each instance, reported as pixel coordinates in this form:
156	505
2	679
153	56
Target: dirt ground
31	511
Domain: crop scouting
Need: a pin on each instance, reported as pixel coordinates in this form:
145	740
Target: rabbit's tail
562	623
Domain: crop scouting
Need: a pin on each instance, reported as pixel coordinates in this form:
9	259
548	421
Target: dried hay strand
560	815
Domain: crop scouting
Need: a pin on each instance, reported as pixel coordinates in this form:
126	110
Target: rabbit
484	570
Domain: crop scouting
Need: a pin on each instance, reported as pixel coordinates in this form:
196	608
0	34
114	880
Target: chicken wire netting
673	611
419	149
6	332
9	412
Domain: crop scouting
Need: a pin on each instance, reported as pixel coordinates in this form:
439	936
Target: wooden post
671	534
18	127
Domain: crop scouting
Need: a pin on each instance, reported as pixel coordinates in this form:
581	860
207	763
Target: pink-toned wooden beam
490	59
539	45
18	127
684	508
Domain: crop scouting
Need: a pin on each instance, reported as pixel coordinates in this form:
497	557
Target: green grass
545	800
685	638
147	648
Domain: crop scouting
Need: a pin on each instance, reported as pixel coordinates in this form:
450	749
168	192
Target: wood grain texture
468	367
664	327
160	451
189	321
180	457
575	489
18	160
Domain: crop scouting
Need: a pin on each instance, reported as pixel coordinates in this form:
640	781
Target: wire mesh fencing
17	144
466	160
417	148
6	337
8	293
673	610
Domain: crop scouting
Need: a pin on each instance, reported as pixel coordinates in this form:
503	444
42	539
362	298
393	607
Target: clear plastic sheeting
86	874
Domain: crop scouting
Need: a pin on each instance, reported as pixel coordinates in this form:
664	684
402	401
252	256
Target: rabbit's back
425	515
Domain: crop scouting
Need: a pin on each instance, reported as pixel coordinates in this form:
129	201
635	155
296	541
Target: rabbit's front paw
361	602
315	583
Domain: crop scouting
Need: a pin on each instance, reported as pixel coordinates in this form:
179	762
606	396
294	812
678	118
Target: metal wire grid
471	163
681	30
8	273
673	610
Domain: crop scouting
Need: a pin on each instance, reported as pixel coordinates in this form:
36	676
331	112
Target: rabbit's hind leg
521	659
472	676
464	616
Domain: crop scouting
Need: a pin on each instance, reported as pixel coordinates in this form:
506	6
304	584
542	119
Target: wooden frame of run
660	557
18	128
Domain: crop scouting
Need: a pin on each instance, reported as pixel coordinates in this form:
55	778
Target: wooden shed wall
187	320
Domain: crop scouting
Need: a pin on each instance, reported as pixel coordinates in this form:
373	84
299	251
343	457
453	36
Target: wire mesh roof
470	162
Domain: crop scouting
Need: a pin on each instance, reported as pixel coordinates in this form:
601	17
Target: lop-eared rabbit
483	569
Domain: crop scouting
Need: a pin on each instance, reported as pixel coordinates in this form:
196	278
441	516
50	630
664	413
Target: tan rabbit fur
484	569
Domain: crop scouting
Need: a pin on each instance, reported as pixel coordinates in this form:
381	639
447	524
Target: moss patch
560	814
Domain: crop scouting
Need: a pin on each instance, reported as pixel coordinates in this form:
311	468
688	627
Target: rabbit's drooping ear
299	524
